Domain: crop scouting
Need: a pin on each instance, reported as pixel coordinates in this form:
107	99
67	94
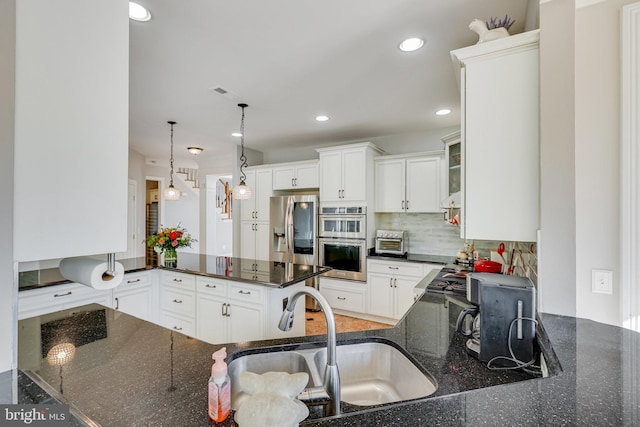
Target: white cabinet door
423	185
262	239
500	141
263	187
381	295
248	207
245	322
390	185
354	173
307	176
331	176
211	325
403	295
136	302
248	240
283	178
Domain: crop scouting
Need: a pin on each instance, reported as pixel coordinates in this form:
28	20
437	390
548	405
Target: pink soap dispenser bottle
219	388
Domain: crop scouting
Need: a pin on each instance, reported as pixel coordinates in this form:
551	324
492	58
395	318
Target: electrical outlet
602	281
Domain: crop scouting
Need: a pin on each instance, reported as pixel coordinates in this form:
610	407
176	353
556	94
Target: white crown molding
585	3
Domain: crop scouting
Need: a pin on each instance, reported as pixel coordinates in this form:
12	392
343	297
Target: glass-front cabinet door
453	154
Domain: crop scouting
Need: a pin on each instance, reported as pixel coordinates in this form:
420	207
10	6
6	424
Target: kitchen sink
371	372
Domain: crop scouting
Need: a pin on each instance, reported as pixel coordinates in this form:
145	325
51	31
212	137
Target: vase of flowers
167	240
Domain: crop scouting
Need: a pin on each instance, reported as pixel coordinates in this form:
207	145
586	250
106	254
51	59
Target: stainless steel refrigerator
293	233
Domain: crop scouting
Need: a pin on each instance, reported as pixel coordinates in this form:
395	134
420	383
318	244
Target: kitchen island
142	374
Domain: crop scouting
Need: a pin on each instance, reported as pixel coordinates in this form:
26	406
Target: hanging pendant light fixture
171	193
242	191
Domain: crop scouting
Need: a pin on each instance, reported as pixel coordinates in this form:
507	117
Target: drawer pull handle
342	298
62	295
177	280
208	285
178	301
177	328
244	293
133	281
117	303
393	268
228	310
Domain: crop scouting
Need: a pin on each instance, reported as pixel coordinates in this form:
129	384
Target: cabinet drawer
345	299
241	292
178	301
175	322
397	268
215	287
59	297
133	280
185	281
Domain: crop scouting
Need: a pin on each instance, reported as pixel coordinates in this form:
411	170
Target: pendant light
171	193
242	191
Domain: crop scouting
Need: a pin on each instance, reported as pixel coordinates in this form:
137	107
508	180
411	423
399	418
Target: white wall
185	211
137	173
410	142
598	144
8	283
557	247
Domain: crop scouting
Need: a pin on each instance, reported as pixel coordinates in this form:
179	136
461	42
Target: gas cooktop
449	281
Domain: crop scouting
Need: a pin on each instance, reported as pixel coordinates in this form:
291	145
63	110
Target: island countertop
259	272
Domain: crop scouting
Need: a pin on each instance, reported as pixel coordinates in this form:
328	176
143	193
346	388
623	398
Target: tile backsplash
431	234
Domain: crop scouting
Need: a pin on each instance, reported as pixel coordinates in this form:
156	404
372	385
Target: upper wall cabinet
346	173
408	184
71	128
297	175
500	138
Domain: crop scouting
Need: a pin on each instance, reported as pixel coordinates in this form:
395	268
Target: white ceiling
291	60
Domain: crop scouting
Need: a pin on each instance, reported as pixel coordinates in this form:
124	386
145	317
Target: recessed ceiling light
138	12
443	112
409	45
236	134
322	118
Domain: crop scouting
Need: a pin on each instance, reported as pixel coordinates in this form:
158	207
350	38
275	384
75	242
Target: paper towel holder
111	267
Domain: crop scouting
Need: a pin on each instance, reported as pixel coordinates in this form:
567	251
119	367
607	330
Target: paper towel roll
91	272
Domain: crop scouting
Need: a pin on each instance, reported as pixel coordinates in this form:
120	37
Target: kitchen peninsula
213	298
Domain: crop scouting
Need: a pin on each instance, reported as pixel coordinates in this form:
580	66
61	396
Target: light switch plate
602	281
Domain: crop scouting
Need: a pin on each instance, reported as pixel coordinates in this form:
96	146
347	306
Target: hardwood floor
316	325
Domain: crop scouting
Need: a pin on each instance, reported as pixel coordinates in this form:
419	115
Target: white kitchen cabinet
256	209
500	138
178	302
391	285
346	173
344	295
254	240
453	160
134	296
57	122
254	214
49	299
408	184
297	175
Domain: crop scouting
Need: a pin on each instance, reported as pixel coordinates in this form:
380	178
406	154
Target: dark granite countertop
266	273
411	257
128	372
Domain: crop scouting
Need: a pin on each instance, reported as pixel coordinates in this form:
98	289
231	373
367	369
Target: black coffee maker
501	326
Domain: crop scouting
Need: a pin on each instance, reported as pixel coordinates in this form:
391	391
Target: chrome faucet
331	381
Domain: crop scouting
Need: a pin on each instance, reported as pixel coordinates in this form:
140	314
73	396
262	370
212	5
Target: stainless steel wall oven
342	242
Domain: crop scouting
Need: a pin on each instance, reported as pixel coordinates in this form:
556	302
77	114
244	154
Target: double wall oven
342	241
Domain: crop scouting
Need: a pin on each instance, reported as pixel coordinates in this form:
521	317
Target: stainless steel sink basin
260	363
371	373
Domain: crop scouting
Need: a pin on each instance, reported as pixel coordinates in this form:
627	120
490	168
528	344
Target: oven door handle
341	243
